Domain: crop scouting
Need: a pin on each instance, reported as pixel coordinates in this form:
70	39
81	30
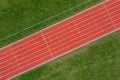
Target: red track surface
59	39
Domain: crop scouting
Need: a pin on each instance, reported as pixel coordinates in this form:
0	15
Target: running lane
59	39
115	6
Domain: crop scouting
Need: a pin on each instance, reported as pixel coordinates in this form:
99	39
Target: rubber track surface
59	39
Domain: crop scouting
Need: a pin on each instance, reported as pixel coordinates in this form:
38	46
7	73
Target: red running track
59	39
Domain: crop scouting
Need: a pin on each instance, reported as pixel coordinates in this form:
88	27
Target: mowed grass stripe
18	15
99	60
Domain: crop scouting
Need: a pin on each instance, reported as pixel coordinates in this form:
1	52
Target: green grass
99	60
16	15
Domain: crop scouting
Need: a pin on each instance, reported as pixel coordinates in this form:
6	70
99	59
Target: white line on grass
66	33
62	30
68	46
53	24
61	55
66	53
46	20
58	50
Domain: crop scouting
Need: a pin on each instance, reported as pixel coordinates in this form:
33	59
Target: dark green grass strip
16	15
99	60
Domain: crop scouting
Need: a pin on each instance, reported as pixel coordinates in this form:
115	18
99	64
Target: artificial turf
99	60
17	15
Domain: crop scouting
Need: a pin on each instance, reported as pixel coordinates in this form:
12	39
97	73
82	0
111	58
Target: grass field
17	15
99	60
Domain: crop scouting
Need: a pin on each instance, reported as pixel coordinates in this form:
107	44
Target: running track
59	39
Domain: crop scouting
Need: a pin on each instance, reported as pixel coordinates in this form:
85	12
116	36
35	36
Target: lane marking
47	45
69	41
63	35
14	56
38	37
60	13
54	24
66	52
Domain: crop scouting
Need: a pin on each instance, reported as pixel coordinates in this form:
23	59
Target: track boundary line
62	44
72	49
70	31
55	24
71	45
90	14
68	52
45	34
93	40
63	30
55	52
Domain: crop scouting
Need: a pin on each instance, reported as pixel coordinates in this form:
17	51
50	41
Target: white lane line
54	24
43	48
63	35
47	19
69	41
54	53
81	40
84	16
63	20
46	51
67	24
77	24
78	27
61	26
38	41
82	35
53	44
66	51
47	45
25	57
